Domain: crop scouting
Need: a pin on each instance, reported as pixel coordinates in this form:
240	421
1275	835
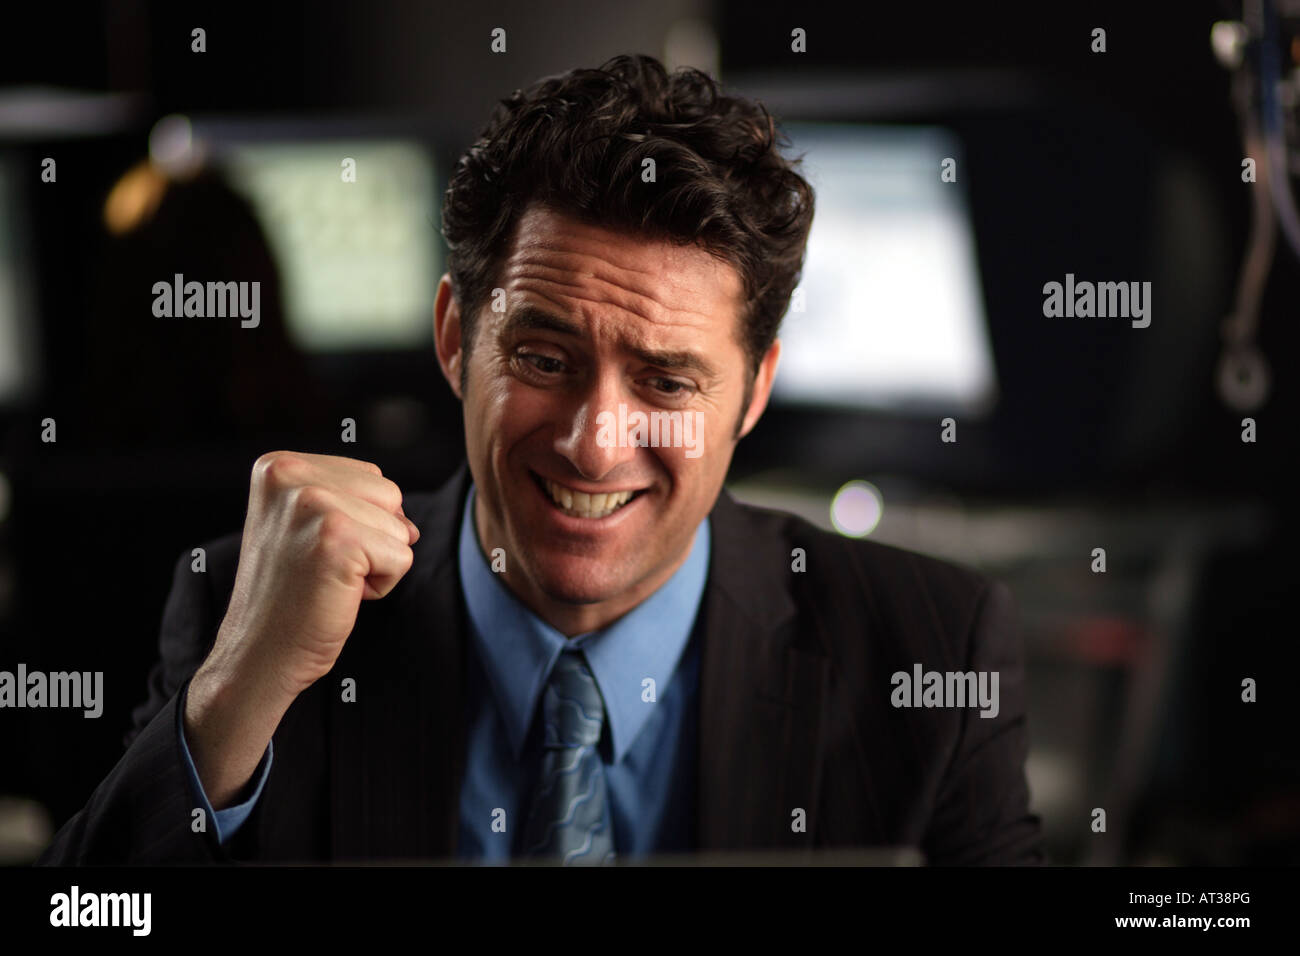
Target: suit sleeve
982	813
143	811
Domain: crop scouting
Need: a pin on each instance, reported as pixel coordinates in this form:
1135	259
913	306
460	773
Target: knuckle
355	565
334	530
311	500
280	469
265	460
392	494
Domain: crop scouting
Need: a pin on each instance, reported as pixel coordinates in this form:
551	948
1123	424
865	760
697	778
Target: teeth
582	505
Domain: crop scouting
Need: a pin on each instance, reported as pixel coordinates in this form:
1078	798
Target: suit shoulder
840	554
858	580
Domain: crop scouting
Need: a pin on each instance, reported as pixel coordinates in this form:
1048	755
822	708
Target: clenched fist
323	533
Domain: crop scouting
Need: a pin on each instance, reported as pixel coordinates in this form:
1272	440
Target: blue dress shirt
647	668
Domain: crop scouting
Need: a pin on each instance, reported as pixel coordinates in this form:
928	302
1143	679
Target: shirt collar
518	649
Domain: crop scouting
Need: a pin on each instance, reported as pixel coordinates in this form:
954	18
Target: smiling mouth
579	504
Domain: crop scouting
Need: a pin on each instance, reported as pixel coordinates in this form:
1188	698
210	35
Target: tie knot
573	709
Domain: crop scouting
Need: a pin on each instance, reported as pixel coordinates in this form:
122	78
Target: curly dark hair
576	142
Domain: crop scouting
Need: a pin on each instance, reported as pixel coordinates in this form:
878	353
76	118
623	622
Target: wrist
228	724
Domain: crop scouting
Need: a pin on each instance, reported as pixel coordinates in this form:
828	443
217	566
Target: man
580	649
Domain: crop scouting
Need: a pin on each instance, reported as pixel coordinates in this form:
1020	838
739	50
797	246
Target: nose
594	441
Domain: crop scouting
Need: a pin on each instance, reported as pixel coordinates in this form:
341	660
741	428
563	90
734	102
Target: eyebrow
532	319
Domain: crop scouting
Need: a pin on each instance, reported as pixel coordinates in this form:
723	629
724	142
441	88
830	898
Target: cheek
699	467
495	396
514	414
692	478
522	410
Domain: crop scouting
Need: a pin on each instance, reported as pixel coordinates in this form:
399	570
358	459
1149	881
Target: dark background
1121	166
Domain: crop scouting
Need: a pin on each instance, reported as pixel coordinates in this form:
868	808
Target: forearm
229	721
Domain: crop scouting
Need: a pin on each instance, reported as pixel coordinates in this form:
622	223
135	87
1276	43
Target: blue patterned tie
570	820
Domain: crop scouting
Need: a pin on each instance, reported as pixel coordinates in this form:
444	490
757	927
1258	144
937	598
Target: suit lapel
396	782
761	694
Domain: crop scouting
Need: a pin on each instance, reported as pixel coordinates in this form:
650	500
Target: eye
541	364
669	386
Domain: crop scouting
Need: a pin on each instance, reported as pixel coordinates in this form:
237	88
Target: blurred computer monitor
353	223
889	314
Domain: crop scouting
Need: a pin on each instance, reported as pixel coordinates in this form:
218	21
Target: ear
762	388
446	334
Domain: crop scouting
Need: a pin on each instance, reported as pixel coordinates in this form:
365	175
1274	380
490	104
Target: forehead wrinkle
603	250
541	226
587	239
597	324
609	293
592	303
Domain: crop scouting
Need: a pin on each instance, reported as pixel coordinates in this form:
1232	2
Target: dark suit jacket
794	712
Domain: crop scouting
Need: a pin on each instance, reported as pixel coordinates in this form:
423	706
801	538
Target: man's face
593	519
